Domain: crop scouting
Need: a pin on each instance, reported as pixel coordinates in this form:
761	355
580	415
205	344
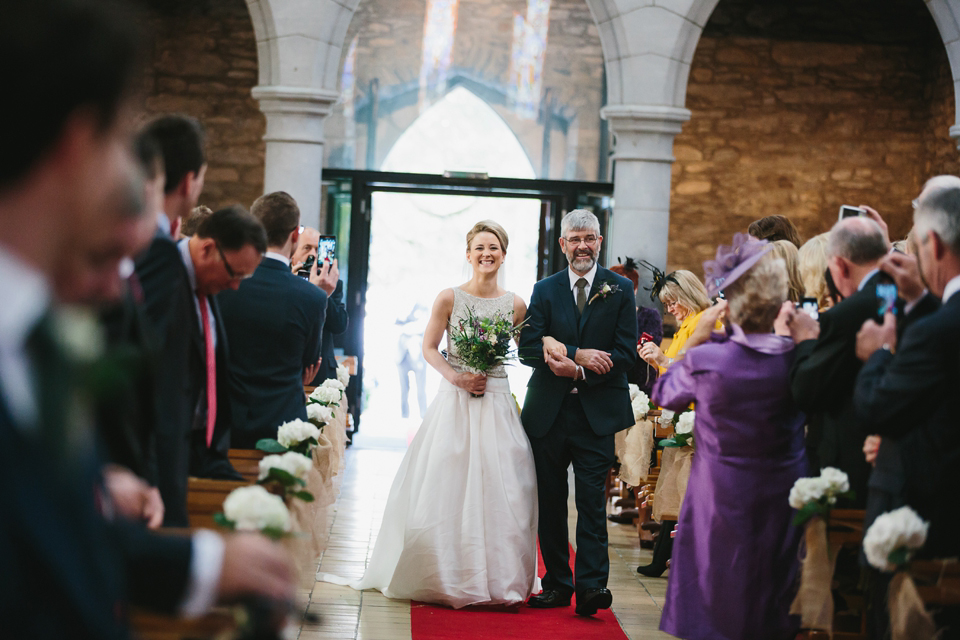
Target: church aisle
345	614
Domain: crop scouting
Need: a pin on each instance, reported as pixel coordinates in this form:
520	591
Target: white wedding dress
460	524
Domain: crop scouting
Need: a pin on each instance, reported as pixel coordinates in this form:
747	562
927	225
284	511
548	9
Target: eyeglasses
230	272
576	240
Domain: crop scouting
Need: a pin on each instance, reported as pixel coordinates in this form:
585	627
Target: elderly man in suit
274	322
580	339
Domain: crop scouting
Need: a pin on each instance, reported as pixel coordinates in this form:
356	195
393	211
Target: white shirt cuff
206	563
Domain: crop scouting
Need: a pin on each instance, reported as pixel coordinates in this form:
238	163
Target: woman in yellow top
684	296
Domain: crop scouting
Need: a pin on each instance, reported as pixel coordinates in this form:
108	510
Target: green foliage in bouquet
269	445
484	342
271	532
289	482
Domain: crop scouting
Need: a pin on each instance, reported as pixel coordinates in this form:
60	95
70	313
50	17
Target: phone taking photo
327	249
886	296
849	211
809	306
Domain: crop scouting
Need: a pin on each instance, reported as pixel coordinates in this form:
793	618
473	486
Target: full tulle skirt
460	524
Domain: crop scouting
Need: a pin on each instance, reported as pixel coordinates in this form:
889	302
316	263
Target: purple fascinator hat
733	261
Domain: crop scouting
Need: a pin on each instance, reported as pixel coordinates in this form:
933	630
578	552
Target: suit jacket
912	397
274	322
335	324
608	324
169	309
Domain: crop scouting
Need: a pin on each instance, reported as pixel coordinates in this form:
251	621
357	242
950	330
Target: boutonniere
605	290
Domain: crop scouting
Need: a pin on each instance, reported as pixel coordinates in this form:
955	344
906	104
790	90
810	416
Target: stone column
643	156
294	158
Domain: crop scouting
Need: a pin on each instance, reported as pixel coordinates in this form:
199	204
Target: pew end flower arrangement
297	436
683	423
816	496
254	508
484	342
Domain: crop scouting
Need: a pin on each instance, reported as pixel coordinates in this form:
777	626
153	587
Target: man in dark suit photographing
580	339
274	322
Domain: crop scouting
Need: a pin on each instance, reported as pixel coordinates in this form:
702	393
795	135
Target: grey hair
755	298
579	220
859	240
939	211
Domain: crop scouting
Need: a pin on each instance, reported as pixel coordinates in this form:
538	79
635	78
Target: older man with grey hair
580	338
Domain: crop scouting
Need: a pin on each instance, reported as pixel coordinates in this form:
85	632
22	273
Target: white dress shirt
278	256
184	247
589	276
952	287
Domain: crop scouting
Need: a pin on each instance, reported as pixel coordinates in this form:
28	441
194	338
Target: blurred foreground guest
62	197
788	252
188	226
274	322
812	264
773	228
648	322
735	563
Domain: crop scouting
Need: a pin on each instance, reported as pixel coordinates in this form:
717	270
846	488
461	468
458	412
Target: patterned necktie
581	294
211	359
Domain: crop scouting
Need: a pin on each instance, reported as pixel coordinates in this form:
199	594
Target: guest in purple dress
735	554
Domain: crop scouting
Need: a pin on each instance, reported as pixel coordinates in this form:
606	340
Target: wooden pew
246	462
205	497
153	626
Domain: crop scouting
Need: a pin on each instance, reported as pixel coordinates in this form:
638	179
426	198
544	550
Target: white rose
685	422
319	413
292	433
634	390
605	288
292	462
640	404
326	394
836	479
333	383
806	490
343	375
492	338
666	416
891	531
254	508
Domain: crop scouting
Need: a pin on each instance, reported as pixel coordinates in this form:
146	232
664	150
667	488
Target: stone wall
205	64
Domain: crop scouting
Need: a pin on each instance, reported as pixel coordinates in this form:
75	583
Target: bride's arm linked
475	383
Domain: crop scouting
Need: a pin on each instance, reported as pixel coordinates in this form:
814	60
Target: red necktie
211	368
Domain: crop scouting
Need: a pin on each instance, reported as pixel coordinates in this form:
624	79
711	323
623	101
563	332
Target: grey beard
583	264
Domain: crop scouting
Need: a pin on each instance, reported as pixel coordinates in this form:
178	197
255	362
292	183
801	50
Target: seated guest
274	322
735	561
188	225
773	228
648	321
812	264
226	250
788	252
683	295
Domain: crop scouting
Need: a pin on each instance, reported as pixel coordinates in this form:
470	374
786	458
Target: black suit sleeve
159	274
337	318
822	367
158	566
625	341
311	352
530	347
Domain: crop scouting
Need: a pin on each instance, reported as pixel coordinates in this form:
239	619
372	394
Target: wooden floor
345	614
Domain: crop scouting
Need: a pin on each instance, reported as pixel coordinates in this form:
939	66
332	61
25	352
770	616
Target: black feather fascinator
660	279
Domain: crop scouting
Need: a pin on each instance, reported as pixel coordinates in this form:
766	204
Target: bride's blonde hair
490	227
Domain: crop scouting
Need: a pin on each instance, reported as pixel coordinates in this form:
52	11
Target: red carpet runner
432	622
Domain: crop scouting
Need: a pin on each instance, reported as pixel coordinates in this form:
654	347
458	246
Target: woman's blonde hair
687	290
488	226
788	252
755	298
812	264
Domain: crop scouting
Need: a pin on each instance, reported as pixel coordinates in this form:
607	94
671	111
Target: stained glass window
348	94
526	58
439	29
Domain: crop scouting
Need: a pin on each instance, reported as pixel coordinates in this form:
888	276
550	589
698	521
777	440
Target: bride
460	524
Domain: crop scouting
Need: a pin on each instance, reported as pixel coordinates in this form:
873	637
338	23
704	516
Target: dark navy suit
564	427
274	323
335	324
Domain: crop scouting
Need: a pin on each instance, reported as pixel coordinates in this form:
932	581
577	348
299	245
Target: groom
577	398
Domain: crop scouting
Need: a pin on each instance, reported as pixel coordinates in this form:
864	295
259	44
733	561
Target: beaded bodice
483	307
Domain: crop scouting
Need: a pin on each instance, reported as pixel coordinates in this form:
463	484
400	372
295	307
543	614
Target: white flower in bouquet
492	338
333	383
328	395
634	390
343	375
837	482
292	433
293	463
319	413
898	532
685	422
78	331
641	405
254	508
806	490
666	416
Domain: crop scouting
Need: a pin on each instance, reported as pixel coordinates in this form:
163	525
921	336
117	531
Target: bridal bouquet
815	496
254	508
297	436
484	342
287	471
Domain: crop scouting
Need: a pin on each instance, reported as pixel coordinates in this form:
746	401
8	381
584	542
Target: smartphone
645	338
810	307
326	249
886	296
307	267
848	211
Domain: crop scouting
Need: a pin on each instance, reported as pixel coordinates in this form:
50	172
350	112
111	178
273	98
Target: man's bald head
857	240
306	246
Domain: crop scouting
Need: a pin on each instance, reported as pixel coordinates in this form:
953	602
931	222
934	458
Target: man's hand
311	372
552	346
905	271
597	361
325	276
563	367
706	324
802	326
133	498
873	336
255	565
873	215
870	448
